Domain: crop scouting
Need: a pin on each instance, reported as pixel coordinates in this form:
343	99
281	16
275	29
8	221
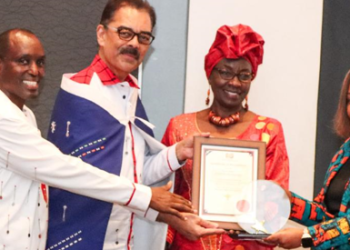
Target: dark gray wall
67	31
335	62
163	89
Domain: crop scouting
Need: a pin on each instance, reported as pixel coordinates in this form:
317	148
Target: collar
105	74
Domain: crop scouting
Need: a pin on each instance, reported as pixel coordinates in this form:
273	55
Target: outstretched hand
164	201
288	238
193	228
184	148
198	227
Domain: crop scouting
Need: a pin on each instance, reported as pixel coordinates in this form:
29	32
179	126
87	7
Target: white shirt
26	160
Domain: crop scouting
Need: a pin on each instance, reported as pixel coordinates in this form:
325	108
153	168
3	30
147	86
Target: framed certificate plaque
224	173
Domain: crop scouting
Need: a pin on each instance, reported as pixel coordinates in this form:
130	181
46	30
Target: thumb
208	224
168	185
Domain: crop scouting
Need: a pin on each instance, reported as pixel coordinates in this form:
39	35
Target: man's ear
101	34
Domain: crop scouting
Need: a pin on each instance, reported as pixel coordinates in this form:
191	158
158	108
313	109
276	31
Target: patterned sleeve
277	162
327	231
308	212
331	233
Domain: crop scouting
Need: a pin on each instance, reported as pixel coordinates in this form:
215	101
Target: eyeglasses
244	77
128	34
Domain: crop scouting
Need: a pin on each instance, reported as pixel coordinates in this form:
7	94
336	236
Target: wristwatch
306	240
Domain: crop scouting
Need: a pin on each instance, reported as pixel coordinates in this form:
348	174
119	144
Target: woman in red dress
230	65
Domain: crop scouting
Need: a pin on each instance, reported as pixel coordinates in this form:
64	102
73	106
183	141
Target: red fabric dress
277	168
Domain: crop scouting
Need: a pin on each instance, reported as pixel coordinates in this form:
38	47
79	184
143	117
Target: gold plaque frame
218	164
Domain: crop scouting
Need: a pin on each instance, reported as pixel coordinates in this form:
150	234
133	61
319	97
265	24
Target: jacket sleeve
331	233
307	212
161	165
26	153
326	230
158	167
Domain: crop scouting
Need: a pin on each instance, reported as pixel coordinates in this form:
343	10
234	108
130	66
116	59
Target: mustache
130	50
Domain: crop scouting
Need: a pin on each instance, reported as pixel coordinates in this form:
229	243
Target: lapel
88	91
338	162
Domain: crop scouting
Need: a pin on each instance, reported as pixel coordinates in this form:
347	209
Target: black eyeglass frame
120	28
239	75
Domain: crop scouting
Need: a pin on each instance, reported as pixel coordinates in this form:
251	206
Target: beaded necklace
223	121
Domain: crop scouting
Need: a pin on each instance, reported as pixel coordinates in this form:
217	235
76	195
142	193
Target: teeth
231	92
30	83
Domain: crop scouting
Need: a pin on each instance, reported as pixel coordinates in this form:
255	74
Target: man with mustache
28	163
99	117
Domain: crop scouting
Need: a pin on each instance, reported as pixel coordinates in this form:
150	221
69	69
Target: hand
184	148
164	201
193	228
288	238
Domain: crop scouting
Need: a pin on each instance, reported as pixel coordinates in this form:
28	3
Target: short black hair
5	39
113	5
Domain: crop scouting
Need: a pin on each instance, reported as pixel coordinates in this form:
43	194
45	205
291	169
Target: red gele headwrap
238	41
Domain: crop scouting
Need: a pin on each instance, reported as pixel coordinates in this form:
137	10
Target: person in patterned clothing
327	217
230	66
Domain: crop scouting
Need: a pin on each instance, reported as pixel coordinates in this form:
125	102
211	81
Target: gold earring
207	100
245	106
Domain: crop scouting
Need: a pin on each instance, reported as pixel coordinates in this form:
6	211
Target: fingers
166	202
180	200
276	239
182	207
208	224
210	231
184	148
209	228
271	241
203	134
180	204
178	214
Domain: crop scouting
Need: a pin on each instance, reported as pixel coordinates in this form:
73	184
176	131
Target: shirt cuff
140	198
172	160
151	214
